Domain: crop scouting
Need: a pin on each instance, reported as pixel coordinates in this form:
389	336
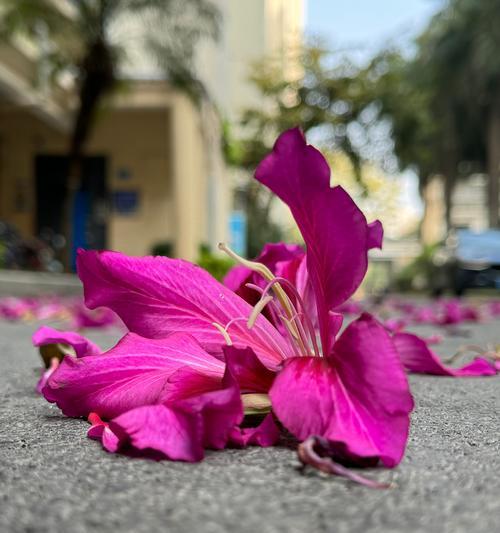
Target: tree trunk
449	186
97	79
493	148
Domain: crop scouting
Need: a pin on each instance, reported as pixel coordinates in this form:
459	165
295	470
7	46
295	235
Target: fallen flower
199	357
65	309
395	325
418	358
454	312
56	344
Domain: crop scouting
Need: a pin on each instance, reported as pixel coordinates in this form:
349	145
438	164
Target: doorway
91	202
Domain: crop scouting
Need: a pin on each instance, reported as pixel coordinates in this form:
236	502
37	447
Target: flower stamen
257	310
296	316
264	272
222	330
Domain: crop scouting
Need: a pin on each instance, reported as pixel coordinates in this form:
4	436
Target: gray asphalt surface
54	479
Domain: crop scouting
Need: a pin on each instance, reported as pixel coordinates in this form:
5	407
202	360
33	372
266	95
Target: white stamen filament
302	332
297	315
262	332
223	332
257	310
293	319
264	272
288	328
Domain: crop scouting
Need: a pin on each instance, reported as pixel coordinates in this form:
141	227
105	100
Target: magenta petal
100	430
358	398
375	234
336	320
82	346
246	368
46	373
221	410
265	434
156	296
98	318
97	426
187	382
135	372
275	256
418	358
236	278
334	229
158	428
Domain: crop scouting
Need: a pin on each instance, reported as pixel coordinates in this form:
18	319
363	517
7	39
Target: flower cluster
206	365
69	310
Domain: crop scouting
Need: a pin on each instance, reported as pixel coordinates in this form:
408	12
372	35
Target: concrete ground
54	479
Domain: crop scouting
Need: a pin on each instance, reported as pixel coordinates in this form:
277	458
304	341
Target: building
469	203
152	173
145	166
251	31
468	207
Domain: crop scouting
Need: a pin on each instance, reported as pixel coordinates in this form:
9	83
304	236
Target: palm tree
462	46
81	37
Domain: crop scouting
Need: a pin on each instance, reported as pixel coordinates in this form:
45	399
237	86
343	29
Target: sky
363	27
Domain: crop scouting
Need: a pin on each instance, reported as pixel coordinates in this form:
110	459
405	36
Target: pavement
54	479
26	283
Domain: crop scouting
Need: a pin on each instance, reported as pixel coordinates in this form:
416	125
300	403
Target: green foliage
402	96
441	102
217	266
329	93
326	92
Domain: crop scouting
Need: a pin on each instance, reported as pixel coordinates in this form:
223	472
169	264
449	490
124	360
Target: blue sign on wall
238	232
125	202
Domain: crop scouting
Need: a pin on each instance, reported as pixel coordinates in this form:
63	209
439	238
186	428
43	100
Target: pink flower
395	325
55	344
199	356
46	336
418	358
454	312
494	308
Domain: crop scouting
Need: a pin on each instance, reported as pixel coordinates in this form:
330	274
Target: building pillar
433	226
189	179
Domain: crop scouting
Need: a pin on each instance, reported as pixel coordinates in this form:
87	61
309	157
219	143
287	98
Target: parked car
468	259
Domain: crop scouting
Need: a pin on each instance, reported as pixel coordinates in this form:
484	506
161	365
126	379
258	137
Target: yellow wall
137	140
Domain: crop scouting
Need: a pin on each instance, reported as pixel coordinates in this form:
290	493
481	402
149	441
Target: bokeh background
136	125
